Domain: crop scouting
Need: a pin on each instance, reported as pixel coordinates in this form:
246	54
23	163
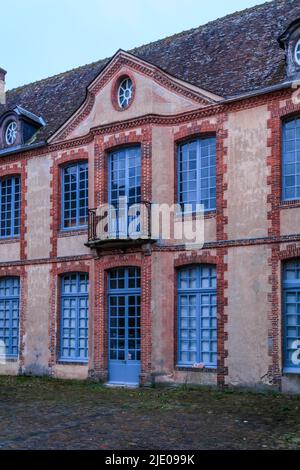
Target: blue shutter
10	197
197	173
74	318
9	315
291	306
75	196
291	160
197	316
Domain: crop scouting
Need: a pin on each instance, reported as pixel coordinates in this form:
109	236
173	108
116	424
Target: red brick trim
100	330
188	259
57	271
59	161
115	66
115	89
186	133
103	147
18	169
20	272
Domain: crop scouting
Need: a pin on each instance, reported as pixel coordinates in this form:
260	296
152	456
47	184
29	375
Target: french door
124	309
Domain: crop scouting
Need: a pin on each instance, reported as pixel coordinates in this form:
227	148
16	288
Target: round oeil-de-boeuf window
11	133
297	52
125	92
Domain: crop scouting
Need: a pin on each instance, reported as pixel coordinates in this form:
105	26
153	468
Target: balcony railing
120	223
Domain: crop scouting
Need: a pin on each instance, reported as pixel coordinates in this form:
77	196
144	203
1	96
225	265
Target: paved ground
50	414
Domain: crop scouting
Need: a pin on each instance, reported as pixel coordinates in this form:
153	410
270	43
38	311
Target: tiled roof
232	55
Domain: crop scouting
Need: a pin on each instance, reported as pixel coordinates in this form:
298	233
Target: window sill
208	369
8	359
5	240
290	204
291	370
72	232
65	362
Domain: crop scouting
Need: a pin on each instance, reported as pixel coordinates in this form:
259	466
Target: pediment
156	92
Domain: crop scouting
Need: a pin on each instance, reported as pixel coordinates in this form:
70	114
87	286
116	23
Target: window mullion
63	221
77	195
198	171
12	219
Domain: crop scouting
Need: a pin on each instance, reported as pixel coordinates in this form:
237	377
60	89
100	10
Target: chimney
2	86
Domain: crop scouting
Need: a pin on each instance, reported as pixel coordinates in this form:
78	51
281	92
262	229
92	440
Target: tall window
124	186
9	316
291	314
197	173
74	318
197	316
10	196
75	196
291	160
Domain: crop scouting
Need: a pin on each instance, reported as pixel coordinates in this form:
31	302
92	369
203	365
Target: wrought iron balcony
119	225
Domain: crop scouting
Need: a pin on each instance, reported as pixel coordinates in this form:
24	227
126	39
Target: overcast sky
39	38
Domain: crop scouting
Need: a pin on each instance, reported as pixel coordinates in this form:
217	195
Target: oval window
125	92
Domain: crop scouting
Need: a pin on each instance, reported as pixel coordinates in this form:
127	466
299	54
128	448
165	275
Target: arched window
291	315
10	200
9	316
197	316
291	160
197	173
75	196
74	318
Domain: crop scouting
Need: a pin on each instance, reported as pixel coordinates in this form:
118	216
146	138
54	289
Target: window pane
197	173
197	315
75	196
291	305
10	207
74	317
291	160
9	316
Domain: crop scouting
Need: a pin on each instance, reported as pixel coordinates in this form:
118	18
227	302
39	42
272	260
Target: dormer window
297	53
18	127
11	133
290	42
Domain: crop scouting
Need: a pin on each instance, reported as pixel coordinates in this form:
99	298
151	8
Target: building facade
195	118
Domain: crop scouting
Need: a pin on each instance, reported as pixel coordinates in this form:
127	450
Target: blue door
124	306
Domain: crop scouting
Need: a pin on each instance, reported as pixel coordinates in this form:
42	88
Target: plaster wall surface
38	207
248	310
9	252
247	173
36	339
72	246
289	221
72	371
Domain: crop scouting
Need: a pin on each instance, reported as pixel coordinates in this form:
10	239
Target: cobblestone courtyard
51	414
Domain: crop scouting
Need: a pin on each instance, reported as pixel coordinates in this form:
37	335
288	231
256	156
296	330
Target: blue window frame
197	173
74	318
10	199
124	186
197	316
291	160
124	302
291	316
9	316
75	196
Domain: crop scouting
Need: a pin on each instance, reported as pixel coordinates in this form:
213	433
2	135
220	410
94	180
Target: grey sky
40	38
